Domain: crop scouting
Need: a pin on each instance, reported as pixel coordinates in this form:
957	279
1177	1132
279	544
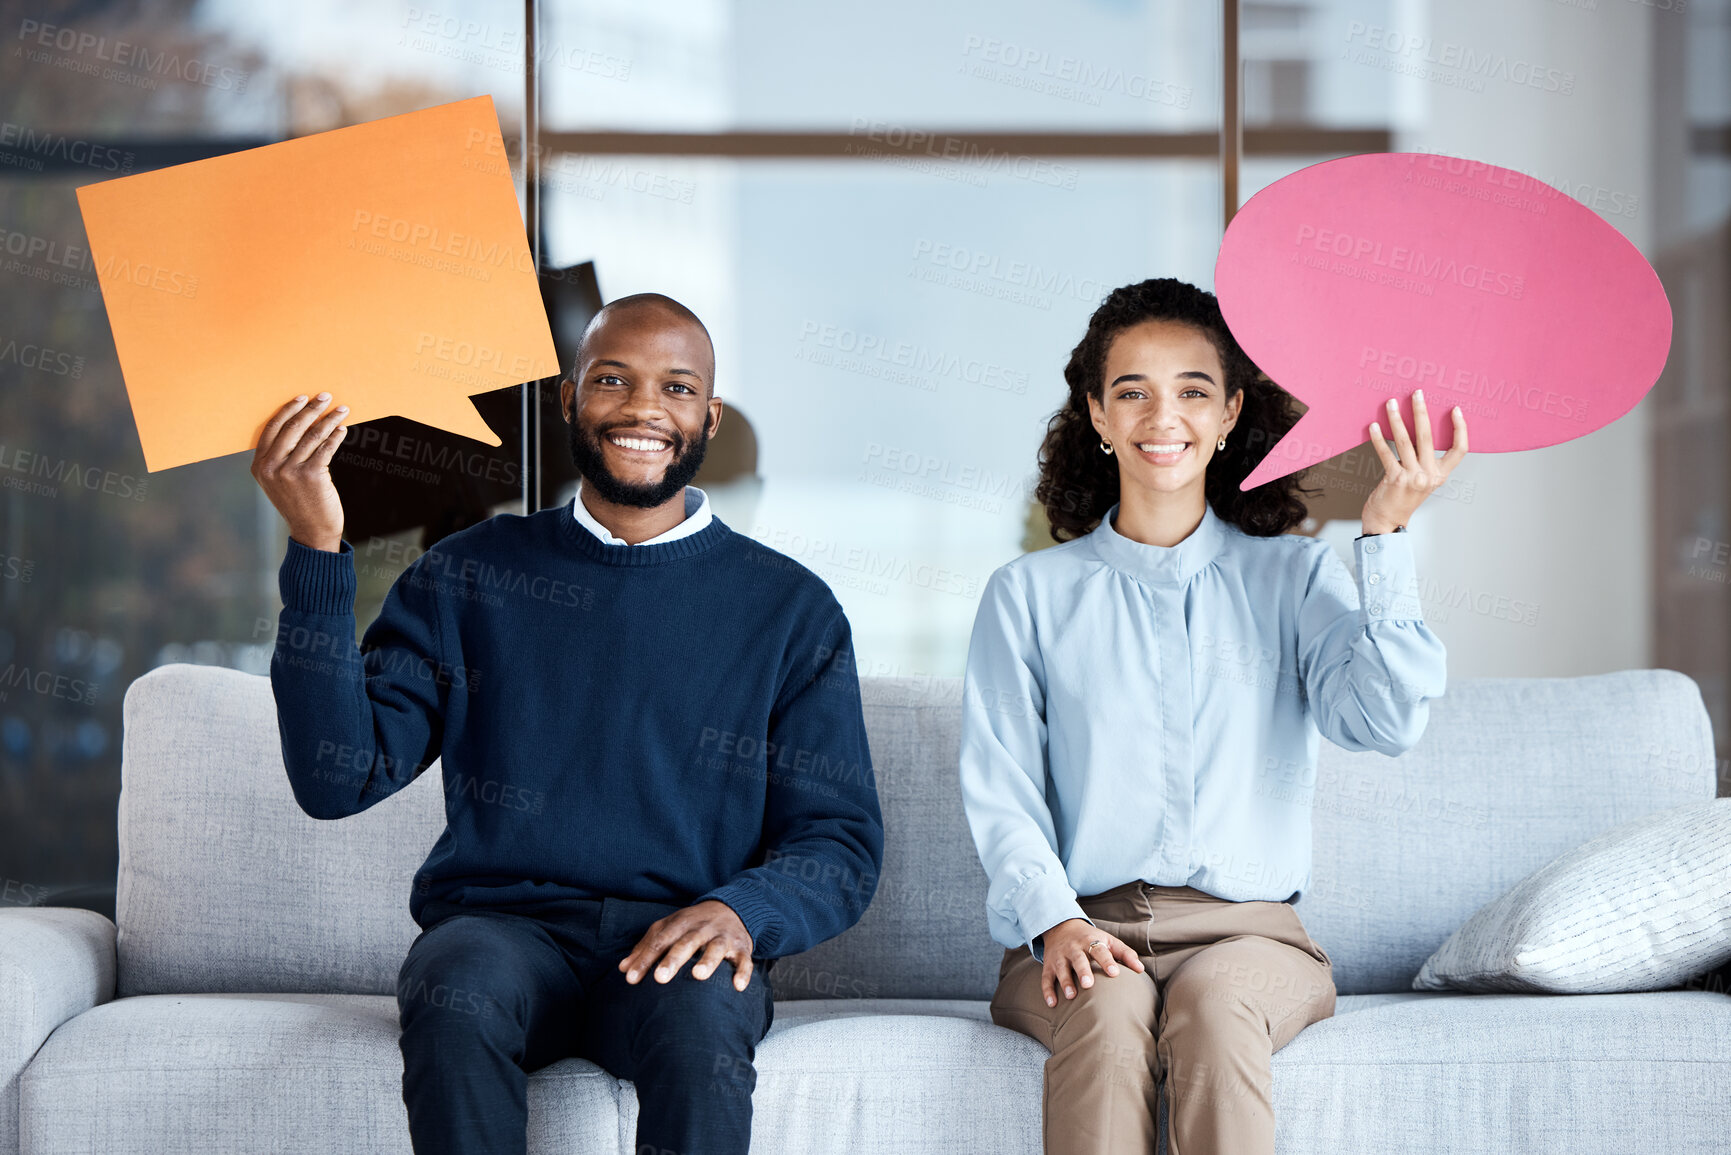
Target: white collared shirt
697	515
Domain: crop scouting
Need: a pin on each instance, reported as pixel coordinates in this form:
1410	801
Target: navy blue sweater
670	723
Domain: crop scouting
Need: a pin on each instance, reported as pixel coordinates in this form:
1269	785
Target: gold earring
1105	447
1221	444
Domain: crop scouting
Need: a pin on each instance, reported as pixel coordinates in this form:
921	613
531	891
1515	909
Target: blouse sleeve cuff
1387	579
1041	902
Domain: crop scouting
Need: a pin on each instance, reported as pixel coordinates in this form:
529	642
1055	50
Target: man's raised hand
292	466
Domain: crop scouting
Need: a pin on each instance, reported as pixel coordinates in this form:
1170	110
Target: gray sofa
244	1004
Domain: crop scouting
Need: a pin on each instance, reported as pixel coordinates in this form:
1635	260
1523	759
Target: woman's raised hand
1071	960
1416	472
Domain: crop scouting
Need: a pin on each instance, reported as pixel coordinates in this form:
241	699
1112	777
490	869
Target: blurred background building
895	219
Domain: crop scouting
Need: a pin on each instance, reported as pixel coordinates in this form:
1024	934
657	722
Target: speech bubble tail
1312	439
454	413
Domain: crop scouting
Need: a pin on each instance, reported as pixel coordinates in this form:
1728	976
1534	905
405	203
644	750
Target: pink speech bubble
1364	278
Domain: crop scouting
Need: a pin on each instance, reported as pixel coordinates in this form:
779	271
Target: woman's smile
1164	452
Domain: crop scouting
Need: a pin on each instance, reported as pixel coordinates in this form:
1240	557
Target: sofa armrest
55	963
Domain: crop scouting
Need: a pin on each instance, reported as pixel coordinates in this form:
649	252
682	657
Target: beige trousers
1227	984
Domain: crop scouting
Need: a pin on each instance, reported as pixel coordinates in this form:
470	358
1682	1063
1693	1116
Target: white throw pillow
1642	907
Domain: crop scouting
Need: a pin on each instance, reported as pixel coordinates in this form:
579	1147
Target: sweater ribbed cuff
760	918
317	581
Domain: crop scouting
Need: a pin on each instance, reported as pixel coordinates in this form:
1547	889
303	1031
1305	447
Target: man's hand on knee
710	926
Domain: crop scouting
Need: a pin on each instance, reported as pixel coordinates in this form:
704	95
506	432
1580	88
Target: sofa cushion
268	1072
225	885
1583	1074
1417	1073
1510	773
892	1077
924	934
1642	907
161	1074
1389	1073
55	964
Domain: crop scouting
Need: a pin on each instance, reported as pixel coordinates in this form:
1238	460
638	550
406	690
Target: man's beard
586	455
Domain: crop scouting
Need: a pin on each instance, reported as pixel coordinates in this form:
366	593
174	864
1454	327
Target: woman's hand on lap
1070	960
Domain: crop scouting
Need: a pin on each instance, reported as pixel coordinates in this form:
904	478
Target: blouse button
1374	578
1370	547
1376	607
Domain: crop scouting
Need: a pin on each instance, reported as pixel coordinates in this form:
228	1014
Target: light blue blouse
1139	711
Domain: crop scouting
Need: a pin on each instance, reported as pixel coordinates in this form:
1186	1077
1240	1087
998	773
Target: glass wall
109	570
895	219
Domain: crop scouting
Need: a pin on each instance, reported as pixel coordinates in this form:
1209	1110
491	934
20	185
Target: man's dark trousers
485	997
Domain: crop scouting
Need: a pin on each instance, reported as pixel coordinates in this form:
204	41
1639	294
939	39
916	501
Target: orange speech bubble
386	262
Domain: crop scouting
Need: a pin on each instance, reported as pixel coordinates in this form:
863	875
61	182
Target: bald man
652	745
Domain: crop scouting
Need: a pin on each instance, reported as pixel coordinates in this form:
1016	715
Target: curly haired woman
1143	705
